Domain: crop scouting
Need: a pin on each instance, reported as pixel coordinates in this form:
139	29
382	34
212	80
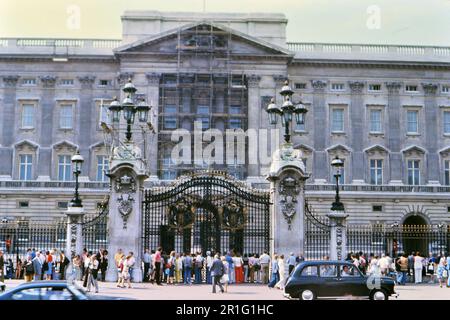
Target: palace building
383	109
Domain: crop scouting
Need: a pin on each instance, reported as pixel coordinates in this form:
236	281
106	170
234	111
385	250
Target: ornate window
375	121
337	120
447	172
376	171
25	160
413	172
102	167
203	116
412	121
64	167
25	166
28	115
66	116
170	118
446	122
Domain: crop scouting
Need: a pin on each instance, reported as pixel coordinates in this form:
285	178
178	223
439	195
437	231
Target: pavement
147	291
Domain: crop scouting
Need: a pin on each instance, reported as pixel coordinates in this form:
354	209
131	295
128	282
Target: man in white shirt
198	266
264	260
209	262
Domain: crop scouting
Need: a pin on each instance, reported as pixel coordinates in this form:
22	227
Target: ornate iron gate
317	234
95	228
206	211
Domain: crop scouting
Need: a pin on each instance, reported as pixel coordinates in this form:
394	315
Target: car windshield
309	271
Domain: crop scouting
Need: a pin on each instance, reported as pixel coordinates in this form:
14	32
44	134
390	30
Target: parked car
319	279
50	290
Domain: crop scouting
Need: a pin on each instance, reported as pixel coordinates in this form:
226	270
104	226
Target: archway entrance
414	235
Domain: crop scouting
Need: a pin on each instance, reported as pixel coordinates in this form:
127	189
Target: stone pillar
338	235
74	239
85	116
153	100
287	179
127	173
320	136
7	135
357	130
431	132
253	115
393	134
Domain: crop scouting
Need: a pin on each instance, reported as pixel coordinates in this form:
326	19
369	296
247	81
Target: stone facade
379	107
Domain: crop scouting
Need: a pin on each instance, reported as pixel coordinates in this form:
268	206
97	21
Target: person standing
147	259
198	266
225	278
18	269
274	279
49	268
238	268
103	264
217	271
63	263
245	260
411	266
251	267
131	263
157	266
178	268
403	263
171	262
86	263
265	265
281	271
29	269
431	263
37	264
442	272
418	266
231	274
209	262
125	272
2	267
291	261
93	273
9	269
187	266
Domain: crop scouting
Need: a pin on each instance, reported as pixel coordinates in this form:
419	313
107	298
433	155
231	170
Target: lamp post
337	164
75	212
130	106
77	161
287	109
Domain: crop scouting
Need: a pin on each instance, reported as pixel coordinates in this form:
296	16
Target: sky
411	22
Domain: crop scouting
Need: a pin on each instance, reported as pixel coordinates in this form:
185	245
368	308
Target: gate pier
287	180
127	174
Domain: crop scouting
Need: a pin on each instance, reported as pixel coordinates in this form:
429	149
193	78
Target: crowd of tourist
171	268
405	268
186	268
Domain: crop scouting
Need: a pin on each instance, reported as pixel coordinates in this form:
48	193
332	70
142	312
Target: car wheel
307	295
378	295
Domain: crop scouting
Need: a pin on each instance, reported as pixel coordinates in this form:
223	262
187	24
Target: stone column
393	133
74	239
85	116
8	129
287	179
153	100
253	116
320	136
357	131
338	235
431	132
127	173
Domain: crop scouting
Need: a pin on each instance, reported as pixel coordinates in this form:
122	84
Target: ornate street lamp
337	164
77	161
129	108
286	111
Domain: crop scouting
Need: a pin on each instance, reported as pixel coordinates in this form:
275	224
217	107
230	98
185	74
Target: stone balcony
369	52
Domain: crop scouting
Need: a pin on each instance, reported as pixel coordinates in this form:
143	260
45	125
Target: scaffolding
204	87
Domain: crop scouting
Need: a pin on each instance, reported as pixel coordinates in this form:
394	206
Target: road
147	291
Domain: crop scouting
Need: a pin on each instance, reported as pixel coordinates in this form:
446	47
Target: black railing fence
17	236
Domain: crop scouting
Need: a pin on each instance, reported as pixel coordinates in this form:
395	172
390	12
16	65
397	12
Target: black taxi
313	279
